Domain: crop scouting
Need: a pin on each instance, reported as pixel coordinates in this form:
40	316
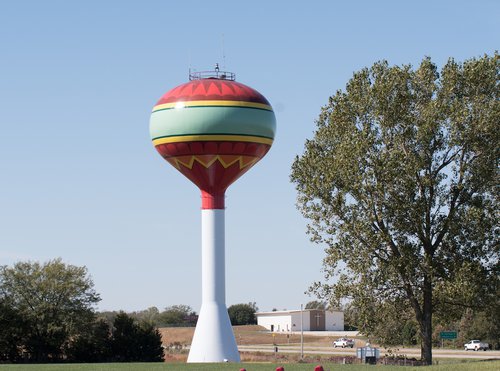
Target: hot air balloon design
213	130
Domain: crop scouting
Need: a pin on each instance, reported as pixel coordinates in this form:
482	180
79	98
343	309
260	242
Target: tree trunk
426	323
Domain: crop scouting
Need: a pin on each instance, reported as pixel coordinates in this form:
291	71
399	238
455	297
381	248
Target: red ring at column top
211	201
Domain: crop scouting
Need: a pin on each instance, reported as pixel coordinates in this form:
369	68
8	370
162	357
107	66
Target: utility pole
301	333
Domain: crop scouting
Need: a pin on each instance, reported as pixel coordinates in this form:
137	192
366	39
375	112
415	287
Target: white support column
213	339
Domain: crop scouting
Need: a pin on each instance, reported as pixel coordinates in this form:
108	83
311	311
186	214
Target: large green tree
401	183
54	301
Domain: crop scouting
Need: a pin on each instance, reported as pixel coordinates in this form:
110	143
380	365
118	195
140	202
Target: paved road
410	352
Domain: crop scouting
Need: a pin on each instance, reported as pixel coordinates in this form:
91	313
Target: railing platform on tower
216	74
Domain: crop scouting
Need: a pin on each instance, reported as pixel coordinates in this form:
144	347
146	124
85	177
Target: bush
242	314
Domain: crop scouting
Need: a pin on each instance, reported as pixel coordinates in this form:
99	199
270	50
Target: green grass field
465	366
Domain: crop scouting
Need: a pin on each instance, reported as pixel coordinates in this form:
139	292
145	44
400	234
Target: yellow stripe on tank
215	138
209	103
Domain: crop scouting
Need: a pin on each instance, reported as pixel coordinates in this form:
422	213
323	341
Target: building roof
285	312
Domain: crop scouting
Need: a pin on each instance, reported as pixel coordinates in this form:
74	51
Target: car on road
343	343
476	345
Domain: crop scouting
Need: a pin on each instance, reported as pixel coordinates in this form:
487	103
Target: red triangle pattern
212	89
208	160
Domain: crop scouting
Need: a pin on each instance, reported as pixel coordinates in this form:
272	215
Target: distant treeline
173	316
184	316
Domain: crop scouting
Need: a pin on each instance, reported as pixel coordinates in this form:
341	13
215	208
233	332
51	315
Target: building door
317	320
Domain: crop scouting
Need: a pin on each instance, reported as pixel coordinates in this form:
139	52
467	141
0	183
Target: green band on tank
213	120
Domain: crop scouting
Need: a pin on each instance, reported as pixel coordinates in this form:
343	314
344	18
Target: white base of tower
213	339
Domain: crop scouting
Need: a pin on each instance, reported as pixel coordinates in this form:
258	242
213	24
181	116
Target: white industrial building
312	320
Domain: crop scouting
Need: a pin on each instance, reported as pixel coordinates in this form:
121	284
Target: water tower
213	130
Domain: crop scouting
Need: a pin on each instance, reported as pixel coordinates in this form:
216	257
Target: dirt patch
250	335
255	335
176	335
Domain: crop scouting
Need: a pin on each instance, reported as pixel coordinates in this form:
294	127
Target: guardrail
221	75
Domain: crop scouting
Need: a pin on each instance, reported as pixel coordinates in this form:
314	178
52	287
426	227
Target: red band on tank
212	200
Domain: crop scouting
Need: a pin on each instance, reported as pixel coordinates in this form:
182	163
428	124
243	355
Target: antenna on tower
223	54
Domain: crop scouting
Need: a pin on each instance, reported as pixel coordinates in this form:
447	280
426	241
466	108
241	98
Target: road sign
448	334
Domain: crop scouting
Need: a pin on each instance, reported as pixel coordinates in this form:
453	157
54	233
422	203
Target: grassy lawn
465	366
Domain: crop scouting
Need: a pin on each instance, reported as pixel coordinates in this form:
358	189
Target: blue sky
80	179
